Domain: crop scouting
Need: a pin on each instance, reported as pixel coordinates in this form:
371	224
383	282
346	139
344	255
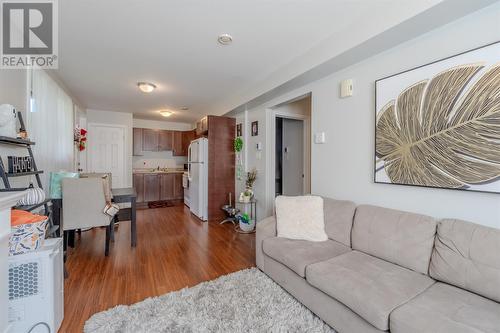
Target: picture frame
422	124
239	130
255	128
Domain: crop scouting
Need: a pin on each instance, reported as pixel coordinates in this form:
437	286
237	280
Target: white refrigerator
198	177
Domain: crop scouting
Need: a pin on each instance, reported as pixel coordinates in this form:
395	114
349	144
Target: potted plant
247	195
246	224
238	146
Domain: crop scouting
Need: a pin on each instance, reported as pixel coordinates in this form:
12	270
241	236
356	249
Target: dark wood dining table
128	194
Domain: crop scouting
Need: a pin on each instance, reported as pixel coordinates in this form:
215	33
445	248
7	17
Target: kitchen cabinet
177	148
149	139
202	127
178	190
137	138
158	186
167	186
151	187
165	140
187	137
138	183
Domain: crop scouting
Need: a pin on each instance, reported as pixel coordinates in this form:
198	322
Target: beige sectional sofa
383	269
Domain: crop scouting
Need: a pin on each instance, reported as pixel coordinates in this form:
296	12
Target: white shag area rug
245	301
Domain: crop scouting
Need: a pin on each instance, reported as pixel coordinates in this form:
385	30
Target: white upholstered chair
83	203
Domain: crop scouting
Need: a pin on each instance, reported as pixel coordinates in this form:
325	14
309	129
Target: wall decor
255	128
438	125
19	164
238	130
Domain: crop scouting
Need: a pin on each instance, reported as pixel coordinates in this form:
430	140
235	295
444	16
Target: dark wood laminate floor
174	250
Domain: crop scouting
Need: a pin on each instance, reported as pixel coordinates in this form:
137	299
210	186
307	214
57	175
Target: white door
106	151
293	157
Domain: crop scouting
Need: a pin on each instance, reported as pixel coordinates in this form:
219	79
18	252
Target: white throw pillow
301	218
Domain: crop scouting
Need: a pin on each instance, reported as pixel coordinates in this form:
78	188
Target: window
50	125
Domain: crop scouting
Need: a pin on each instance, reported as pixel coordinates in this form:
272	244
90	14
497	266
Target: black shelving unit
6	175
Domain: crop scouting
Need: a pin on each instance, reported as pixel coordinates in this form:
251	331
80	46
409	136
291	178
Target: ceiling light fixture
166	113
225	39
146	86
184	108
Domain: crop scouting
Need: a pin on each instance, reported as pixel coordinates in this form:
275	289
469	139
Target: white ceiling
107	46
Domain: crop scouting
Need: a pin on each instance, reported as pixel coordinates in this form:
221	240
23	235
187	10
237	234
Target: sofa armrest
264	229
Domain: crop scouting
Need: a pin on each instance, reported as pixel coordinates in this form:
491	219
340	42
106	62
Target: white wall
116	118
14	91
14	88
343	167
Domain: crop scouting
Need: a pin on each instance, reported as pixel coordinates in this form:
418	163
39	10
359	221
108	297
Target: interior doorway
292	146
289	175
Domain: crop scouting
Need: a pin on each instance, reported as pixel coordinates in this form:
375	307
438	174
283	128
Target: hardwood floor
174	250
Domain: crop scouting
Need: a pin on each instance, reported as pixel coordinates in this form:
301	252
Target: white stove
185	185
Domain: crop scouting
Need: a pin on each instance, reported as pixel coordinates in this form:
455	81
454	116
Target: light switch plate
320	137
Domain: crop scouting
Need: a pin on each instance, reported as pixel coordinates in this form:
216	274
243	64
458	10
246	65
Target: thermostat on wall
319	137
346	88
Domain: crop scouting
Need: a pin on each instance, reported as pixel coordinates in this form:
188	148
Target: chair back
83	203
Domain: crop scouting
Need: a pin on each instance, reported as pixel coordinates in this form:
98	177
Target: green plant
244	218
251	177
238	144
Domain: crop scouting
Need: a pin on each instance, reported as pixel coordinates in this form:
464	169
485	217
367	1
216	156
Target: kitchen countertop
156	171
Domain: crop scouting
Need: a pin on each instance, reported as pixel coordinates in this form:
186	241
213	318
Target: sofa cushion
339	215
298	254
369	286
443	308
467	255
300	217
400	237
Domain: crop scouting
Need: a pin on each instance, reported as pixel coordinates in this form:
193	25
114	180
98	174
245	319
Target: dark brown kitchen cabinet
167	186
202	127
177	147
137	138
138	183
151	187
187	137
178	190
149	139
165	139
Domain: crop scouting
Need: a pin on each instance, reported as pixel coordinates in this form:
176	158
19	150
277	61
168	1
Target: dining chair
83	202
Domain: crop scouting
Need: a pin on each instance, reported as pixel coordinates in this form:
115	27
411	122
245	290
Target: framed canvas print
255	128
438	125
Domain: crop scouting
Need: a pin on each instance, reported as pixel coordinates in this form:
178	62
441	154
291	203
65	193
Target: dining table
128	195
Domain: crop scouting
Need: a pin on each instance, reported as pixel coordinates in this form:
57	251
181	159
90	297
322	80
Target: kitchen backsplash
158	159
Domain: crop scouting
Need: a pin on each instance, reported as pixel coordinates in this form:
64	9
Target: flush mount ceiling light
146	86
166	113
225	39
184	108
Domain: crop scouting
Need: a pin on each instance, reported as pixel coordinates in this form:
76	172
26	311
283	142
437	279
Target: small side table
252	214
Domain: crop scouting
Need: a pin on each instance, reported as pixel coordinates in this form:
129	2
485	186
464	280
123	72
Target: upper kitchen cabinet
137	137
150	139
165	140
202	127
146	139
177	148
187	137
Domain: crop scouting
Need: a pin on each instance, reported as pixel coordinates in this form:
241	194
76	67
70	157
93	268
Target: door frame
274	112
89	148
